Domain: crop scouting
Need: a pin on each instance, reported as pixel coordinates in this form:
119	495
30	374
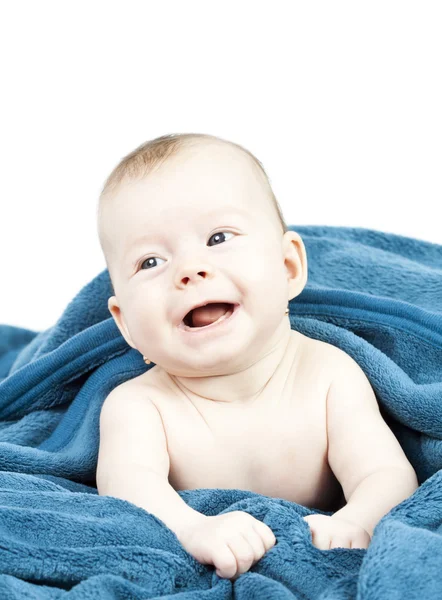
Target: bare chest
276	447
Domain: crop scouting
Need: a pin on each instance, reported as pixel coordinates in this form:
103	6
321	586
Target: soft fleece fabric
375	295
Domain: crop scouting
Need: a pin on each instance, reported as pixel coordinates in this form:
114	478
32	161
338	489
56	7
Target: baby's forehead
163	224
161	194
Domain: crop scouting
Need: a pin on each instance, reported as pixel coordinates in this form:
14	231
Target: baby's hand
328	533
232	542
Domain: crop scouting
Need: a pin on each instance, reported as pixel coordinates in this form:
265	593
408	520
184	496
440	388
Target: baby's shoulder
314	348
155	382
327	355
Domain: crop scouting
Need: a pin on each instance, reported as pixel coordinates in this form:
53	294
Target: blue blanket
375	295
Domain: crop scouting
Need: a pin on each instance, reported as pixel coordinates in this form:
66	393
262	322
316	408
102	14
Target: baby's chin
208	366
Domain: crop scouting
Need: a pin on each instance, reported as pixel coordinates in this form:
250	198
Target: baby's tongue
205	315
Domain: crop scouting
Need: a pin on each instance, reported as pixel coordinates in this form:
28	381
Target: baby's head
192	218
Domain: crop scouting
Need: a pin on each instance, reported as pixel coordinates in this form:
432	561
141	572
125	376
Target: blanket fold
375	295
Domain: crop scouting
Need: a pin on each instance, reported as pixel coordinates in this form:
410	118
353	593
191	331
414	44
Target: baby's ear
115	311
295	260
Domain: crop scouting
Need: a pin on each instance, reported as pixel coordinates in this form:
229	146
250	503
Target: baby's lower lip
218	323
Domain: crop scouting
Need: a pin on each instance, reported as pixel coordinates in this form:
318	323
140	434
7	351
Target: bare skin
242	406
275	445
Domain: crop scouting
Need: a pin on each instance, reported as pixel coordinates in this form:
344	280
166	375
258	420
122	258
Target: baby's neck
244	387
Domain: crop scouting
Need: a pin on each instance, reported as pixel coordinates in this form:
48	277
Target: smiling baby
203	267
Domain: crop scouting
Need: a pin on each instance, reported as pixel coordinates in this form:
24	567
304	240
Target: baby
203	266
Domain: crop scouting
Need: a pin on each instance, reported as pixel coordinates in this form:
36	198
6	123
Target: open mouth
187	323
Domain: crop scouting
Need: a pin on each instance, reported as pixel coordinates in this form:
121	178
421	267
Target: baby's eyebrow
158	234
152	237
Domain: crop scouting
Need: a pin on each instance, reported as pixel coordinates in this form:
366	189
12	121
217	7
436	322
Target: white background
340	101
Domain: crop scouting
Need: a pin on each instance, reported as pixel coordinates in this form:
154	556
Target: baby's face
200	228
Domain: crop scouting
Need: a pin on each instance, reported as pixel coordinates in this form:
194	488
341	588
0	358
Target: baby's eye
218	235
147	260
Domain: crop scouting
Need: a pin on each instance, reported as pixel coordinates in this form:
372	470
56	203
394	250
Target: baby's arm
363	452
133	464
133	461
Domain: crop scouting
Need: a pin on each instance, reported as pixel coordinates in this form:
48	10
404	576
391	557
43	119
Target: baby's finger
361	540
321	540
339	542
225	562
265	533
257	543
243	553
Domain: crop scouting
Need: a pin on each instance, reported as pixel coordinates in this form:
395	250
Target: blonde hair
152	154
